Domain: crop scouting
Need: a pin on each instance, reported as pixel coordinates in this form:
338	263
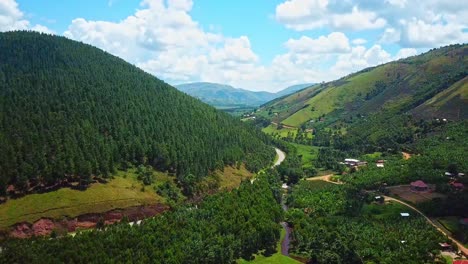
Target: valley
103	162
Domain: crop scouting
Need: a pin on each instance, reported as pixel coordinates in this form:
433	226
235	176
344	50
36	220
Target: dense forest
222	229
339	224
69	111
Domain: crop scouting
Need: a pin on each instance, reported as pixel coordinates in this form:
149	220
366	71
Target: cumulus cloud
302	14
309	14
357	20
418	33
11	18
423	24
336	42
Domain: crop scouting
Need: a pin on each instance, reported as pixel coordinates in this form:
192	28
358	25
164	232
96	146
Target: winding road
460	246
281	157
285	242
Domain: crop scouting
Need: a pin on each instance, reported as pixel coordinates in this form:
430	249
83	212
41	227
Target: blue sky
257	45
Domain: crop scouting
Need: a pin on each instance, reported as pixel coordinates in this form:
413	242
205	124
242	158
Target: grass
308	153
284	132
276	258
232	177
448	259
450	223
389	210
121	192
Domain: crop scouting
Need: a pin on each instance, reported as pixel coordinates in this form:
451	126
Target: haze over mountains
226	96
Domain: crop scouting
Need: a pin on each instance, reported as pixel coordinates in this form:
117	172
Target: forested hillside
222	229
69	111
431	85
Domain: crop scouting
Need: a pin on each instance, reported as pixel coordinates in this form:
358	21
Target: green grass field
308	153
232	177
121	192
337	96
276	258
272	130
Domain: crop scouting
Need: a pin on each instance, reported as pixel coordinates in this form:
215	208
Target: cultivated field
405	193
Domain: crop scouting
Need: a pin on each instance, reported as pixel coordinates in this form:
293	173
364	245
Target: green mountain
223	96
431	85
69	111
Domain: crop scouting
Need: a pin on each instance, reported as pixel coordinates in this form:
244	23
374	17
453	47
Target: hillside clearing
121	192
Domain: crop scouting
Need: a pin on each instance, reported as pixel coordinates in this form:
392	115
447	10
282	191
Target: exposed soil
45	226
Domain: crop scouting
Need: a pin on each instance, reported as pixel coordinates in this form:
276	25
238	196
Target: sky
259	45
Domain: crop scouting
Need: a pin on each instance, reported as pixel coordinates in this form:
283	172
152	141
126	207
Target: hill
434	80
70	111
225	96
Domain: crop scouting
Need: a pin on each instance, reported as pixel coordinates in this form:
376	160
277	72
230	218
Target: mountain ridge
399	86
222	95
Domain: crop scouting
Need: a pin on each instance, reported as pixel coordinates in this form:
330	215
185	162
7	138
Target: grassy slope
337	96
347	96
308	153
121	192
272	130
232	177
450	103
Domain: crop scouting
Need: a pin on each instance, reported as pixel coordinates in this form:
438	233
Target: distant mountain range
226	96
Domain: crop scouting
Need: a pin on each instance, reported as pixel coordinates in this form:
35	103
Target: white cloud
360	58
309	14
414	24
418	33
43	29
335	42
359	41
11	18
390	35
399	3
357	20
302	14
405	53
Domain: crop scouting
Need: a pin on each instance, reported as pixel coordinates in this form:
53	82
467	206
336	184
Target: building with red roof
419	186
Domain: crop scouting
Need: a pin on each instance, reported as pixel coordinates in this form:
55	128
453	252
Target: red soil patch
44	226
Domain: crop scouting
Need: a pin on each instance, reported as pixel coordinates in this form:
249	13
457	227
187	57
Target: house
379	199
351	162
380	163
461	174
448	174
445	246
354	163
404	214
457	185
284	186
419	186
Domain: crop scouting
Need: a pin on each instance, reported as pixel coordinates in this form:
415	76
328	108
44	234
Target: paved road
281	157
